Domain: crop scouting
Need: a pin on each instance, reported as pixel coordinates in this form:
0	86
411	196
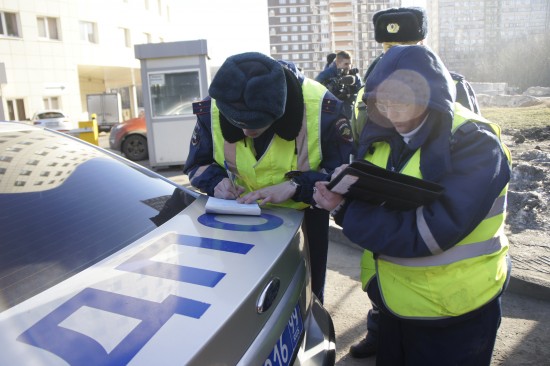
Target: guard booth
173	76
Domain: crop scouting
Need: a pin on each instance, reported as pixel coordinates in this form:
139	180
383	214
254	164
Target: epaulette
202	107
329	105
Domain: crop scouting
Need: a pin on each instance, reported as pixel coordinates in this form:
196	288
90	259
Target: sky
229	26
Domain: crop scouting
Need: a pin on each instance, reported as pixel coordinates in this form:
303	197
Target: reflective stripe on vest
281	156
452	282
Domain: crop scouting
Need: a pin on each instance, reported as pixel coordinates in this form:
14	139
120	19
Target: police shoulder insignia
344	129
202	107
329	105
392	28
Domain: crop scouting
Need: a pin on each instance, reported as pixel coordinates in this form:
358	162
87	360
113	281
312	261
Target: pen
230	174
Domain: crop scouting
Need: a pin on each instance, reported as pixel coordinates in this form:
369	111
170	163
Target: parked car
53	119
130	138
105	262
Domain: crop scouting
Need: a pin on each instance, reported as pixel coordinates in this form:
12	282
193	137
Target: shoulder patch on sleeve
196	138
202	107
344	129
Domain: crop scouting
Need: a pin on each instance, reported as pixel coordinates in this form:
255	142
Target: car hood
185	293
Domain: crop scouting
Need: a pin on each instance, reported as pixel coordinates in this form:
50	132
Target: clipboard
366	181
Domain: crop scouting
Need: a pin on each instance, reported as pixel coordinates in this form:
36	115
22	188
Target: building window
88	32
8	24
51	103
124	37
173	93
16	109
144	38
47	27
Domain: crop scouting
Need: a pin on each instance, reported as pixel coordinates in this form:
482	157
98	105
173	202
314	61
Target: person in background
437	271
277	132
406	26
341	80
330	58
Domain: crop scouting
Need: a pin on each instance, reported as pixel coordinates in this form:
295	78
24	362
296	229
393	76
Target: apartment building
306	31
463	31
56	52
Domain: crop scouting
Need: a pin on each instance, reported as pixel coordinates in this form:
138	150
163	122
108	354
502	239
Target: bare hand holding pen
226	189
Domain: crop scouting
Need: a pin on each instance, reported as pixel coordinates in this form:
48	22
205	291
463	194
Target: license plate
52	124
282	352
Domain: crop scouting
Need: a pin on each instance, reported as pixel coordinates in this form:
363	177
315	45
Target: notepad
231	207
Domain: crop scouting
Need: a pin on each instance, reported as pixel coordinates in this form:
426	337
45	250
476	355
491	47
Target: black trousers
315	227
467	340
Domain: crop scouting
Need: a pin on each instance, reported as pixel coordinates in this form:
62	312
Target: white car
104	262
53	119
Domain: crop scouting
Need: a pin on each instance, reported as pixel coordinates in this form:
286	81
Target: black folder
366	181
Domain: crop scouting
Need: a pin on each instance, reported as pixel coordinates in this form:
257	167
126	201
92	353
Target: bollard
89	131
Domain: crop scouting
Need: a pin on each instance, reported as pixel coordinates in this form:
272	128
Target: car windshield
47	115
65	206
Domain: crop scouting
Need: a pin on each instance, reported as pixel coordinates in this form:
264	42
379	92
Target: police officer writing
341	80
278	133
436	271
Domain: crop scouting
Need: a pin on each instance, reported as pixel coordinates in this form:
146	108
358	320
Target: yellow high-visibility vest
282	156
452	282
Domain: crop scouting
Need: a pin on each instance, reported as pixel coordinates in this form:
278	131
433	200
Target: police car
104	262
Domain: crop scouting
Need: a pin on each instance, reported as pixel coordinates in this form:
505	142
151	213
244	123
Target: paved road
523	337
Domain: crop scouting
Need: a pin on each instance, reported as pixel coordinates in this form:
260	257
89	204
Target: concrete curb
521	286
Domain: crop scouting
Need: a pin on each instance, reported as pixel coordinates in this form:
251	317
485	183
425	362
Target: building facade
461	31
306	31
56	52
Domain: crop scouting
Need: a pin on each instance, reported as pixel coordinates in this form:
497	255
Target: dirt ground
528	224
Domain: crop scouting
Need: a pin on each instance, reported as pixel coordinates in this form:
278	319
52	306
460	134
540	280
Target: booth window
173	93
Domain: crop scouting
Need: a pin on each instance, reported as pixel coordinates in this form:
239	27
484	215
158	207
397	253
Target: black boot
366	347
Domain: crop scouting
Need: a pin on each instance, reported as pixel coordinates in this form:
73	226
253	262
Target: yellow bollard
92	133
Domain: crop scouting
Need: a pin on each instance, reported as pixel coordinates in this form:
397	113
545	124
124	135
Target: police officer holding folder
436	271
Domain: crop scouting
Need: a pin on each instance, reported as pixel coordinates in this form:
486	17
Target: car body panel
185	292
120	132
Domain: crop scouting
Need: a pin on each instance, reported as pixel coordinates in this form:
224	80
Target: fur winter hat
250	90
400	25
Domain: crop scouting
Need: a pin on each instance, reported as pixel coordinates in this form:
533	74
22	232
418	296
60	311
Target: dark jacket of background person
331	77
